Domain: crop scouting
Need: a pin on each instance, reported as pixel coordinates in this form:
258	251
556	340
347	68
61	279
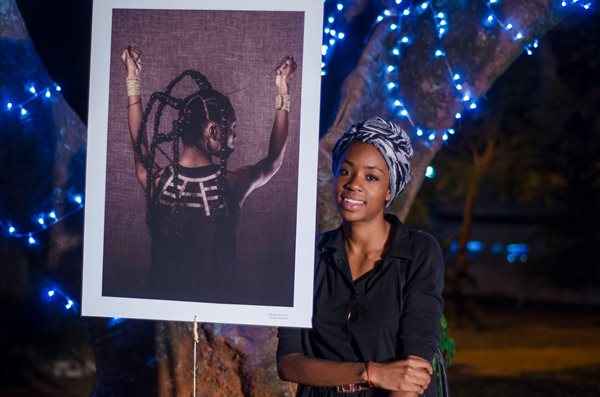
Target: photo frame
212	242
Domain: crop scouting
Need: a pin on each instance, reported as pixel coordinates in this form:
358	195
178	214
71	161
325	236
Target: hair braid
193	116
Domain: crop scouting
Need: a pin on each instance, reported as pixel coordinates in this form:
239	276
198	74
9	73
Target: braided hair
195	112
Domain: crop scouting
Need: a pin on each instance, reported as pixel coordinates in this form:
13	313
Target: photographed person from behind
378	284
194	203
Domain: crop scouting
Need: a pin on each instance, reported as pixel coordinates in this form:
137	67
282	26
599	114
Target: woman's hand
410	375
284	72
132	60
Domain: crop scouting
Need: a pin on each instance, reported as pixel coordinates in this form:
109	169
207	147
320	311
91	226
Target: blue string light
332	31
586	5
442	26
57	295
42	220
493	19
33	93
430	172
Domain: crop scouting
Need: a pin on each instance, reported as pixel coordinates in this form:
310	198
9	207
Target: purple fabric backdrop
237	51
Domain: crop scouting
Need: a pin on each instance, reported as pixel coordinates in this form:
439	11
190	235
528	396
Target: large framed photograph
202	160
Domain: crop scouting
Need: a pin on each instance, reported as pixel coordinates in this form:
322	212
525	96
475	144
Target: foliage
447	344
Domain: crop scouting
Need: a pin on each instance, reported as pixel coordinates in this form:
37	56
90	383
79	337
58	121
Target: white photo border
93	303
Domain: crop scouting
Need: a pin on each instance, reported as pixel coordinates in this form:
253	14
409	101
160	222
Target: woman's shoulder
424	241
325	238
408	241
427	256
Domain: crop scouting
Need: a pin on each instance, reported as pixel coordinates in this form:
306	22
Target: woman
378	284
194	203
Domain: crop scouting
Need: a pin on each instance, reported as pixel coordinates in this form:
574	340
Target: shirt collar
400	246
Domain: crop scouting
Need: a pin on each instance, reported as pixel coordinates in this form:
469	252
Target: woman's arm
279	134
254	176
298	368
131	58
294	366
407	376
420	321
410	375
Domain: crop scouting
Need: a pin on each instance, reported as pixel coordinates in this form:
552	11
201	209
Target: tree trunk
481	164
460	278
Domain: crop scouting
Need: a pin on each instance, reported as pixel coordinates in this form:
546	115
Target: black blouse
388	313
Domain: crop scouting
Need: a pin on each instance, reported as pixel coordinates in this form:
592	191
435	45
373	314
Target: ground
527	351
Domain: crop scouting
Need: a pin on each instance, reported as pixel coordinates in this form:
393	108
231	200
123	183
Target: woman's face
231	136
362	183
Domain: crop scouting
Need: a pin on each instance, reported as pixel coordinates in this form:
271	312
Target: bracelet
133	87
358	386
283	102
134	103
352	387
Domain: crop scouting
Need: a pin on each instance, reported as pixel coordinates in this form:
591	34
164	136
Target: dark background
62	35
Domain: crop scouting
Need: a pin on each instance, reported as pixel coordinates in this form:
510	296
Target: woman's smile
350	204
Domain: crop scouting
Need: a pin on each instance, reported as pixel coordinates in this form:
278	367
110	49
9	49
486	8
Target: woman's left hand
409	393
284	72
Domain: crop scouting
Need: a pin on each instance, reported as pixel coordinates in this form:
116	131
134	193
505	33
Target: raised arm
279	134
131	58
254	176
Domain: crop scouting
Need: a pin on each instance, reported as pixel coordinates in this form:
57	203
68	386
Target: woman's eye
372	178
343	172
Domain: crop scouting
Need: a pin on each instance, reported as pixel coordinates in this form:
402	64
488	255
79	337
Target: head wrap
392	142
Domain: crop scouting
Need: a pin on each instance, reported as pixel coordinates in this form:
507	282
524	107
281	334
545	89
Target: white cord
196	340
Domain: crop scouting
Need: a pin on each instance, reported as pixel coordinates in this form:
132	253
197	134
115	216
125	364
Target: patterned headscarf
391	140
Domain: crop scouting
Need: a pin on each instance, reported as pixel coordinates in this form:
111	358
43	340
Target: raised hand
132	60
283	73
